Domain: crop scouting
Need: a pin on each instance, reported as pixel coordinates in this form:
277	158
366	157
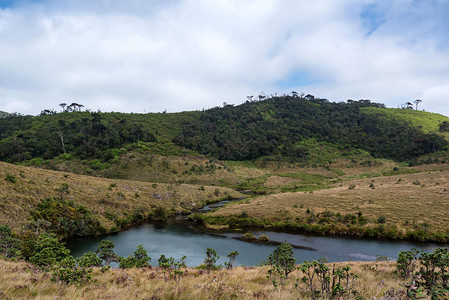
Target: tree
64	189
106	253
141	256
232	256
282	259
9	245
48	251
63	105
89	259
417	101
211	259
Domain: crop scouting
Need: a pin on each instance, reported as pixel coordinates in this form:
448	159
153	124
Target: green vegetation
232	256
293	127
282	263
172	268
428	271
65	218
140	259
4	114
428	122
313	131
211	259
325	283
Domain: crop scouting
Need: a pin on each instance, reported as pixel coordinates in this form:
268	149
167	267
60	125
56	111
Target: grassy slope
406	200
32	185
24	281
428	122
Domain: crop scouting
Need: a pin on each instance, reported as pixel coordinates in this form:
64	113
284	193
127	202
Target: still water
179	237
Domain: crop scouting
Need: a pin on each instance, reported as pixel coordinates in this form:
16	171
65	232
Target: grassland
24	281
99	195
428	122
400	205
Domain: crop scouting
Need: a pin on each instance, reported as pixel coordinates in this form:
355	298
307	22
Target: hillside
286	127
112	203
3	114
404	204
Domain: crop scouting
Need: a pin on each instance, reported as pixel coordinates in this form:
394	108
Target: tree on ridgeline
417	101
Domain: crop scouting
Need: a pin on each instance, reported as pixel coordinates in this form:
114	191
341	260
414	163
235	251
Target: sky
176	55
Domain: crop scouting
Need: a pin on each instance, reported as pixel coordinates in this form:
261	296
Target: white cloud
189	54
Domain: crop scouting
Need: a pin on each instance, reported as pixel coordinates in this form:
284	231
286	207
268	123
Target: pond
180	237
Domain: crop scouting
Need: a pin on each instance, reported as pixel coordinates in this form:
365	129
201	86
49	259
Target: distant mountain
292	127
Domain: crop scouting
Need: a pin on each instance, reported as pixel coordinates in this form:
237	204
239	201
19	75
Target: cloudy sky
152	55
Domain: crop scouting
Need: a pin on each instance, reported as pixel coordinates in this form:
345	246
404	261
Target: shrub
10	178
172	267
324	283
282	259
263	238
232	256
66	219
9	244
159	214
88	260
106	253
381	220
48	251
249	236
68	272
211	259
406	262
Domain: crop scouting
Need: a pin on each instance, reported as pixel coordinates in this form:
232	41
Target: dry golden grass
99	195
403	199
24	281
169	169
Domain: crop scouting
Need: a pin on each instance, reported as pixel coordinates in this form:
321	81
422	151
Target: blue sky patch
297	79
372	17
7	3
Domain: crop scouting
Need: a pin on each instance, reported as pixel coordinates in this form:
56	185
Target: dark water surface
179	237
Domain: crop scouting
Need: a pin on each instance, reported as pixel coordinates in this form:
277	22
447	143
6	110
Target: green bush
432	277
10	178
65	217
48	251
138	260
211	259
9	244
282	260
106	253
159	214
171	267
88	260
381	220
232	256
68	272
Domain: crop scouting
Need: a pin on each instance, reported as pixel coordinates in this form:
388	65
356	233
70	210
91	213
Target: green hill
3	114
428	122
286	127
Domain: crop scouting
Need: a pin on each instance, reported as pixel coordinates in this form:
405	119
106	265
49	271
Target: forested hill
275	126
3	114
279	125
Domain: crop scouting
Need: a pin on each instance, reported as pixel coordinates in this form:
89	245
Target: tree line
271	126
